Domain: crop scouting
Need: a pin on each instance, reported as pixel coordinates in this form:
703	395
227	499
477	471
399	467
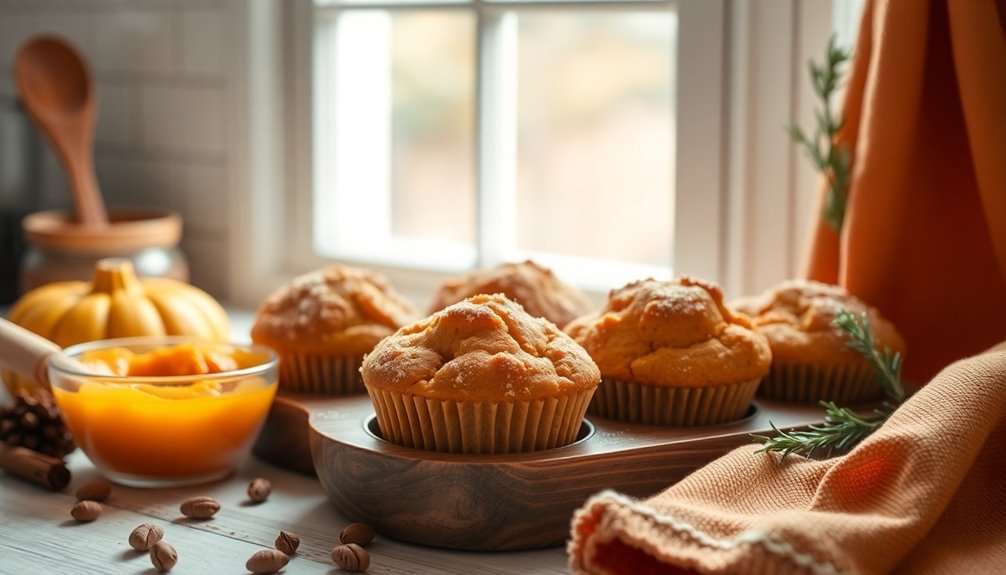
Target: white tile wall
14	28
75	26
204	187
133	40
139	182
161	140
53	188
182	119
202	42
117	103
211	251
7	85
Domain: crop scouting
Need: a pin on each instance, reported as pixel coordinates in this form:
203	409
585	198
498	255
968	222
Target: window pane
596	134
433	125
358	3
395	136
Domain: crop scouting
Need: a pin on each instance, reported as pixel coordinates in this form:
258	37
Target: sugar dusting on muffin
811	359
676	333
323	322
337	305
483	347
533	286
798	318
480	376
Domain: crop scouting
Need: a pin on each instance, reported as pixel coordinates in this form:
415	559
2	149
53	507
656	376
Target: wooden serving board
490	502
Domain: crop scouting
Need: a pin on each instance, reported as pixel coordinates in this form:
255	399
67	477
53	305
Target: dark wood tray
490	502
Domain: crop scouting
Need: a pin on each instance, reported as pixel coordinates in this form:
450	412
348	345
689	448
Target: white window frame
772	188
743	192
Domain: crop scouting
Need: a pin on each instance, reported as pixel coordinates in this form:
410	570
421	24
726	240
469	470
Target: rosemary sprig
842	428
885	364
830	157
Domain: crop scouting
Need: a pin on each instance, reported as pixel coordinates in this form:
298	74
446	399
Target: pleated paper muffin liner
320	373
635	402
802	383
479	427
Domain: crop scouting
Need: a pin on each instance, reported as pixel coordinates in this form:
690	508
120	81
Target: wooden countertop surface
37	534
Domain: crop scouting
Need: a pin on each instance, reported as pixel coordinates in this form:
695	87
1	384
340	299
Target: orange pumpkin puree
174	428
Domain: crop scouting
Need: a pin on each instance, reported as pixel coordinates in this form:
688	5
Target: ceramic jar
60	249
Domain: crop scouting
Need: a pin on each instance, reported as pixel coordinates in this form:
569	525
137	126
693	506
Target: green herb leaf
843	428
886	365
825	79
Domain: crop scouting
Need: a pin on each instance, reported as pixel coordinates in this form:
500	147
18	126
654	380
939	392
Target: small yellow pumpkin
116	304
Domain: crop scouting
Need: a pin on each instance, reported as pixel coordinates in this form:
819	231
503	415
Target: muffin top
338	310
533	286
672	333
486	348
798	318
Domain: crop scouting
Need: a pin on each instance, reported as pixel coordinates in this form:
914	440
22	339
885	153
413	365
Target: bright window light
453	136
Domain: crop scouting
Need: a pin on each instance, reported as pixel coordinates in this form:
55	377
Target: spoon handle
88	204
26	352
58	91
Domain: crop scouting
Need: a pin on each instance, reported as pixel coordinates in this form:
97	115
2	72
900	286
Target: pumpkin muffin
480	376
671	353
811	359
533	286
322	324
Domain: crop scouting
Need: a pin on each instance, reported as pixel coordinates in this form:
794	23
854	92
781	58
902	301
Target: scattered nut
259	489
163	556
97	490
351	557
144	536
287	542
200	507
267	561
359	533
86	510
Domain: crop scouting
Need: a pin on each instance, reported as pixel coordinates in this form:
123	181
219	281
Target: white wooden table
38	536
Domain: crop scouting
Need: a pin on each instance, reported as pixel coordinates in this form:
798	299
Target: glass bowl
164	430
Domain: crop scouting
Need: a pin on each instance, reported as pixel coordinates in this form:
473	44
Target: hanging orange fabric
924	238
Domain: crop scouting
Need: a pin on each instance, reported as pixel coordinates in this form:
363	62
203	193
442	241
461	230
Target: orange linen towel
926	493
924	238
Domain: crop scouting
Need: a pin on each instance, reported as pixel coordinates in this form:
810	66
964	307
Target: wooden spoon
28	353
57	90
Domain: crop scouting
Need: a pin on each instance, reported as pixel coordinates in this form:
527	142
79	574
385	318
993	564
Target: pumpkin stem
114	274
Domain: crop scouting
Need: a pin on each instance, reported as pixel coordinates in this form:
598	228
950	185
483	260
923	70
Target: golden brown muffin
323	322
480	376
533	286
811	360
671	353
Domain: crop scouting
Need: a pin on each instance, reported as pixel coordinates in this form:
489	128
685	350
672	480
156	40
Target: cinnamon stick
34	466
